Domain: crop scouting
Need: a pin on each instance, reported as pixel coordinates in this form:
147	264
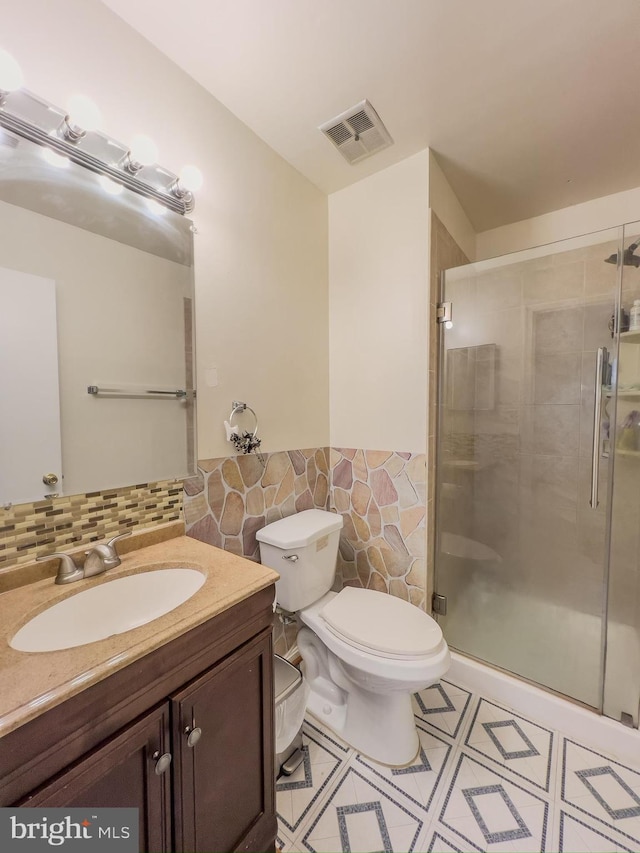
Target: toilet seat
381	624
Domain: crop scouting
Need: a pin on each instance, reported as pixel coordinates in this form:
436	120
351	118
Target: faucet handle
111	542
67	570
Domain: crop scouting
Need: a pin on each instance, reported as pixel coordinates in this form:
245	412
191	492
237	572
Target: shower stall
537	547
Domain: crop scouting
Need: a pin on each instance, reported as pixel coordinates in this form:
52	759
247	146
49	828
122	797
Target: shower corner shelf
630	337
627	395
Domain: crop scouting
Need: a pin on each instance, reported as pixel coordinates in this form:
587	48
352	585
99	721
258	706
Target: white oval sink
107	609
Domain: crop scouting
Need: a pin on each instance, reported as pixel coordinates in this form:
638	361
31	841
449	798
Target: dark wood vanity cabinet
121	773
222	795
206	699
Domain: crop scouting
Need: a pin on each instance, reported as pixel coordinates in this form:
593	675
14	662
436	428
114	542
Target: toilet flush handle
293	558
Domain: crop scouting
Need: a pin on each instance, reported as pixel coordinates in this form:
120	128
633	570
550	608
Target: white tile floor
486	778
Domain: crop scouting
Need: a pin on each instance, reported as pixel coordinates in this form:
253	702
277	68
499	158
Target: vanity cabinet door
121	773
223	736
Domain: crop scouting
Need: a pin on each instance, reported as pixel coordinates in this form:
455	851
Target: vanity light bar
33	118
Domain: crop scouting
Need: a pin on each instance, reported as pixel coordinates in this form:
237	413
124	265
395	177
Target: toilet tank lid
296	531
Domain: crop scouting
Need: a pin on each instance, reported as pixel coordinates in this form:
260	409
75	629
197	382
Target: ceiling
529	105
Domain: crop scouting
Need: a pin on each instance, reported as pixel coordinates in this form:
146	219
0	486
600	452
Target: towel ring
242	407
248	442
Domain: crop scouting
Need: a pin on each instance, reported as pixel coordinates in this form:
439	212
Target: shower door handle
601	363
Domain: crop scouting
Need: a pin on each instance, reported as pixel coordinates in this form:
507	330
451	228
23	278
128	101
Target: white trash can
291	691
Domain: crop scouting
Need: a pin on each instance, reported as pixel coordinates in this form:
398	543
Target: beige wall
260	256
444	203
595	215
378	285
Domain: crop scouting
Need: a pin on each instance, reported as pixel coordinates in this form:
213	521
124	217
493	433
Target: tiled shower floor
486	779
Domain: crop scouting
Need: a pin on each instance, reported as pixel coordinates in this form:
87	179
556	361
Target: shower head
628	258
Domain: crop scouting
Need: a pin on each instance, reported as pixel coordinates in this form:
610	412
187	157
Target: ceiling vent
358	132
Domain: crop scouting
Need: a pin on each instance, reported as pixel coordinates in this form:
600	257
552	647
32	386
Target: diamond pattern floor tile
439	844
576	834
297	794
488	811
361	816
284	844
602	788
443	706
513	743
321	730
419	781
484	780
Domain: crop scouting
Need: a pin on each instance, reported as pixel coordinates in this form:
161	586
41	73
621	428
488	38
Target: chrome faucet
99	559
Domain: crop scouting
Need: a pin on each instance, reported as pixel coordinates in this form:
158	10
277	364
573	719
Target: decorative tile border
33	529
601	788
296	795
492	809
443	706
381	495
385	823
418	781
575	834
512	742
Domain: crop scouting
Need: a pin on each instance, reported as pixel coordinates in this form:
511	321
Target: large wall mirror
96	331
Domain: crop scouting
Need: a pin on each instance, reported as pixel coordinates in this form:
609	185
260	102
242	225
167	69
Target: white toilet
365	652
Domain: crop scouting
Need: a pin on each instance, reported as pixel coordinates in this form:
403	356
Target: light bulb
83	113
143	150
191	179
110	186
11	76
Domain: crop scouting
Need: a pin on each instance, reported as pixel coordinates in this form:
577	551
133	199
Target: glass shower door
523	468
622	671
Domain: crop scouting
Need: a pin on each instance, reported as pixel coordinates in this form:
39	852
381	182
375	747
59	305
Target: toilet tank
303	549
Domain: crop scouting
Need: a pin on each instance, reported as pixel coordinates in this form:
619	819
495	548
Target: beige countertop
31	683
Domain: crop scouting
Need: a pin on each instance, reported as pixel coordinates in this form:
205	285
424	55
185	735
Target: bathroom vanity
174	717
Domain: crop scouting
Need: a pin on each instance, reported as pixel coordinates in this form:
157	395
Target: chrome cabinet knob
50	479
162	762
194	735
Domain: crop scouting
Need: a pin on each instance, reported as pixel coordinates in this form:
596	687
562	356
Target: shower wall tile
558	330
550	480
599	278
596	319
556	378
499	289
554	282
555	430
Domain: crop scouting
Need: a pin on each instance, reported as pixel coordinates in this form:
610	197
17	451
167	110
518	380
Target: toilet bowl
365	652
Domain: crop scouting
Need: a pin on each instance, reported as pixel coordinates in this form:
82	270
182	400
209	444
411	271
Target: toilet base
380	727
